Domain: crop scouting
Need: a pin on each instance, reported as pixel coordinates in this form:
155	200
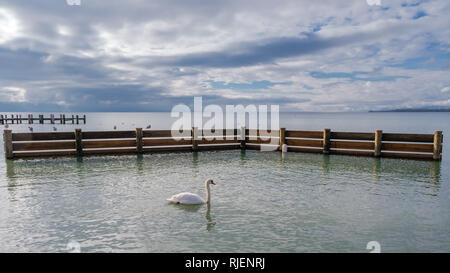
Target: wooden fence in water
79	143
18	119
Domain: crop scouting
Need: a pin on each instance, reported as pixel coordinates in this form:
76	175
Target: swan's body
188	198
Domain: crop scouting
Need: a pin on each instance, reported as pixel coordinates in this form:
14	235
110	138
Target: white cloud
126	51
9	26
374	2
445	89
12	94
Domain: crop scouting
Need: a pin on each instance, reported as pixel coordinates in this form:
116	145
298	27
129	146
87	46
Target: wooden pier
40	119
79	143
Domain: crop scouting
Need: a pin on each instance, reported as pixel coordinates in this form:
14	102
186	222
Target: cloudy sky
349	55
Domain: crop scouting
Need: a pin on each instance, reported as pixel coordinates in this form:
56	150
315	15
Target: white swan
191	198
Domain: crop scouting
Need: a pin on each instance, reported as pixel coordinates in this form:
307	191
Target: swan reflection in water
195	208
209	223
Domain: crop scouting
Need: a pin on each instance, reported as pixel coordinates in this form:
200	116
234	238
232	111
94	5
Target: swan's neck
208	193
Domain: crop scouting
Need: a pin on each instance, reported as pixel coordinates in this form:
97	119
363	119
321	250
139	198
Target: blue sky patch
355	76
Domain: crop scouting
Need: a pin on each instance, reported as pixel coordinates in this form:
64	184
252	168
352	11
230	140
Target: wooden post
282	138
2	121
7	139
12	119
194	134
242	136
52	118
139	141
31	118
326	141
60	119
78	120
79	142
378	143
41	119
437	145
73	120
84	119
20	117
64	118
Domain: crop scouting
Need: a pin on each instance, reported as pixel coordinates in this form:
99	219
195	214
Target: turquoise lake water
263	201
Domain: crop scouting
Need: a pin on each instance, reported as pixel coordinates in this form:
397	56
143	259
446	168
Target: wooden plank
165	133
218	147
167	149
98	144
43	136
262	140
407	155
218	141
36	146
8	144
407	147
378	143
139	141
304	150
255	132
253	147
242	138
353	145
282	138
352	136
408	137
79	141
110	151
109	134
326	141
265	147
44	154
349	152
304	134
437	145
195	137
166	142
223	132
305	142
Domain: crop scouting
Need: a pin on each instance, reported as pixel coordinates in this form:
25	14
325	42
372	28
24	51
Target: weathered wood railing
78	143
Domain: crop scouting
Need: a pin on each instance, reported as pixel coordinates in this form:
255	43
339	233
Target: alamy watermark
374	246
73	247
373	2
212	118
73	2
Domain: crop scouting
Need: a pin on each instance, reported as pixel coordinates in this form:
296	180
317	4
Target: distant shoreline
411	110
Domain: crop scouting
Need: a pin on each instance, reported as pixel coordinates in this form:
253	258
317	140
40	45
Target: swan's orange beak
212	182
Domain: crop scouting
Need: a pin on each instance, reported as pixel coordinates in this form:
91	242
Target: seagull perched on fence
115	127
149	126
31	129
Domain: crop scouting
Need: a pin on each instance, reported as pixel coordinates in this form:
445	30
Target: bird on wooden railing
55	129
149	126
31	129
115	127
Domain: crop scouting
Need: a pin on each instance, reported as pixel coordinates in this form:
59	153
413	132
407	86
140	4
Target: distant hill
425	109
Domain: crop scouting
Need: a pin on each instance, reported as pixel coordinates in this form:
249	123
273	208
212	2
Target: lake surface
263	201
